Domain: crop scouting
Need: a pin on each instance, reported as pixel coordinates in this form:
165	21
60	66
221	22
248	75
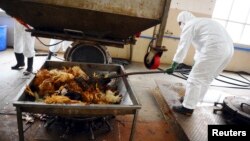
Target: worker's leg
203	91
50	55
20	61
217	70
18	46
53	49
205	69
198	83
201	76
30	66
194	90
56	47
192	95
29	52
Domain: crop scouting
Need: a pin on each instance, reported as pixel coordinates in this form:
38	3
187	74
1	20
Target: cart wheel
154	63
89	53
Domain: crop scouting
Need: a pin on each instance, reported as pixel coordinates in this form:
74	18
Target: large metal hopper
103	19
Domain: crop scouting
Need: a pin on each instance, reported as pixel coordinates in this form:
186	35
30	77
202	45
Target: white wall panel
197	6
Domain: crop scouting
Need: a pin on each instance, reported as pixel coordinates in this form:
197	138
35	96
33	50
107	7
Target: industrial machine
94	24
91	25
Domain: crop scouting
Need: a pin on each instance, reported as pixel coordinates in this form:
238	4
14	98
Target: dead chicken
71	85
58	99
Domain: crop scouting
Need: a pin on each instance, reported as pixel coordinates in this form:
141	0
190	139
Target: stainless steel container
128	105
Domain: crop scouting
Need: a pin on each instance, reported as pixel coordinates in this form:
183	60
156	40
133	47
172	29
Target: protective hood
184	17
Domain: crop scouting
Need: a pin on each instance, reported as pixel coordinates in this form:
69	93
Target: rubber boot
182	110
50	55
20	61
30	66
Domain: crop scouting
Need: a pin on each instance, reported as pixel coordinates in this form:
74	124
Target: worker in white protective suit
57	45
214	50
23	46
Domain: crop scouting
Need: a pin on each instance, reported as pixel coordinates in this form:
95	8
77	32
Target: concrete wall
202	8
239	61
139	50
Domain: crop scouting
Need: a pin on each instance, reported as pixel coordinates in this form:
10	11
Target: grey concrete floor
151	121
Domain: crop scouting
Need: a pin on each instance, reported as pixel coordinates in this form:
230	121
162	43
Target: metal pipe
130	52
132	133
163	23
140	73
73	37
20	124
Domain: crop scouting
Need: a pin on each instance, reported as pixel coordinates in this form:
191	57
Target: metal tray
128	105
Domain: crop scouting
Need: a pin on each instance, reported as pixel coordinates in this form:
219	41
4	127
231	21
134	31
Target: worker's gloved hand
172	68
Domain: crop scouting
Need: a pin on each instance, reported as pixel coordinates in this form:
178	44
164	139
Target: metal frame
162	27
78	37
21	132
129	105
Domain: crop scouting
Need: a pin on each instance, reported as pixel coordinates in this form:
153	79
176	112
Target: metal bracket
216	110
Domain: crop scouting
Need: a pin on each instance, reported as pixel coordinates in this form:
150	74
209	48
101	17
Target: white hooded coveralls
23	41
213	51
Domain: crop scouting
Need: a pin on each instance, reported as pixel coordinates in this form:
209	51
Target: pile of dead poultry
71	86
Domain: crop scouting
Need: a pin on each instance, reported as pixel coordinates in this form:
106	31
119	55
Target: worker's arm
184	44
172	68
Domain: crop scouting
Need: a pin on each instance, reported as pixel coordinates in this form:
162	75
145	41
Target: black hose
59	58
240	86
160	69
234	79
231	87
185	72
49	45
179	76
243	77
174	74
232	83
149	45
